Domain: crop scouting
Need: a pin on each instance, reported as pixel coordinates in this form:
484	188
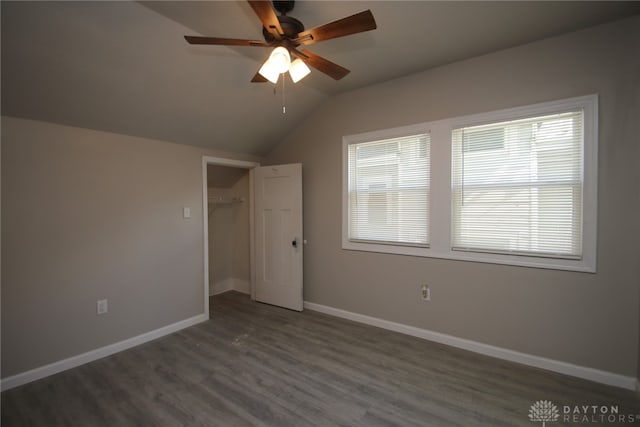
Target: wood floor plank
253	364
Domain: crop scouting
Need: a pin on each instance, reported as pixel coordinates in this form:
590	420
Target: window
516	186
389	191
519	190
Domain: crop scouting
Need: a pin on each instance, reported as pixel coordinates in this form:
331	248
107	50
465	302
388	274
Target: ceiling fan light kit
279	62
285	34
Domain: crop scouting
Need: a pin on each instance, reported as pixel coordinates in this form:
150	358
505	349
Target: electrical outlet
102	306
425	294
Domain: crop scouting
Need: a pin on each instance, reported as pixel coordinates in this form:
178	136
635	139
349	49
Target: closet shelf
225	201
219	201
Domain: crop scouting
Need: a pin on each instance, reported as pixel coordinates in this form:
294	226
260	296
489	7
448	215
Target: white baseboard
241	286
99	353
221	287
231	284
603	377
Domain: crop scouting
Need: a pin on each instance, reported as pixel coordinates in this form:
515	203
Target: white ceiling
124	67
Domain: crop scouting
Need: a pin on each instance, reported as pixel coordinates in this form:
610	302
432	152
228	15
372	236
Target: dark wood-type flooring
257	365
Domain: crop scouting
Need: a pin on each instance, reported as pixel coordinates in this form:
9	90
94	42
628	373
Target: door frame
221	161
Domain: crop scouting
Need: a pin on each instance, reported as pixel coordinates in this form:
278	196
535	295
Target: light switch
186	212
102	306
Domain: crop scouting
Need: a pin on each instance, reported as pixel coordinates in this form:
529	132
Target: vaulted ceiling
124	67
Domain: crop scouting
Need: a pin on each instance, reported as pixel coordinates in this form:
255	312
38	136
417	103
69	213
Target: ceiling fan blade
321	64
258	79
223	41
267	16
353	24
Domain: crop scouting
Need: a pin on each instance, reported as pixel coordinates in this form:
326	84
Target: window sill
578	265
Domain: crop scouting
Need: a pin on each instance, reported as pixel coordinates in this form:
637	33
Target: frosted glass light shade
280	59
269	72
279	62
298	70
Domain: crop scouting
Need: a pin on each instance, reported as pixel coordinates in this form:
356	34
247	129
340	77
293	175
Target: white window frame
393	248
440	186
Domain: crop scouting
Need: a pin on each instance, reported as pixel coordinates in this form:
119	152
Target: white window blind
388	190
517	186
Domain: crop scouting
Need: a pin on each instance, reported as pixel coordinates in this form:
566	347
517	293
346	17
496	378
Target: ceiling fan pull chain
284	108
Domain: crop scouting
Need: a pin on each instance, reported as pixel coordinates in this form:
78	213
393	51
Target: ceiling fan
285	34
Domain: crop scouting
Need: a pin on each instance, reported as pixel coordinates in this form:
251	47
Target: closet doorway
228	226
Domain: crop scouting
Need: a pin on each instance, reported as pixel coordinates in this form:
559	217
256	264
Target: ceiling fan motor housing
290	26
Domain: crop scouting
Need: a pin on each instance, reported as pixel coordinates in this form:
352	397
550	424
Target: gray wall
585	319
88	215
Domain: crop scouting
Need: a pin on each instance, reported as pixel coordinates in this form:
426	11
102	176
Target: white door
278	231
